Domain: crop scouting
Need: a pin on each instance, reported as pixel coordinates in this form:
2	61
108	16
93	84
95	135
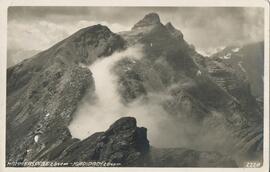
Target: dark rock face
184	106
130	80
246	62
235	85
136	78
43	108
238	71
123	143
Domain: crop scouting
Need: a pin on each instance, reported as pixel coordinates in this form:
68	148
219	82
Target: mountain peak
94	29
148	20
152	17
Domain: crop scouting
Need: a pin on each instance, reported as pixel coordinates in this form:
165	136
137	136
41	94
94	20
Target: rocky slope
44	91
246	61
206	92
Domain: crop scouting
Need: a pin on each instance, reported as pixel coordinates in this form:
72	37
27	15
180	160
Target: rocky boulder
123	143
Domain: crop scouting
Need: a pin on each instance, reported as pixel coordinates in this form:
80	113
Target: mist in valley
97	112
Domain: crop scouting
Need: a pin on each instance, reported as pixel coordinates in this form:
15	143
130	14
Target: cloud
96	112
34	36
42	34
114	27
208	28
211	28
96	116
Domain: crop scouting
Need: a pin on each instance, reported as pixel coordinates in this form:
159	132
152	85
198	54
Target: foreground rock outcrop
127	144
123	144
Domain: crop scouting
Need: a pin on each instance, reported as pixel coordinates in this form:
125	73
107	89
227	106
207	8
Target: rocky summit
151	19
215	100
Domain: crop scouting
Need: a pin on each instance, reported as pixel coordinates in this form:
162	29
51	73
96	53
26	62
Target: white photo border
4	4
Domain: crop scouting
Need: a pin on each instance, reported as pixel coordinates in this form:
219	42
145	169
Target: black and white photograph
136	86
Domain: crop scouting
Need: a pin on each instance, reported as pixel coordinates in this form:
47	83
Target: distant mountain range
246	61
219	98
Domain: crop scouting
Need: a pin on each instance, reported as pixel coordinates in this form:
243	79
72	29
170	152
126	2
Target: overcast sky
38	28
